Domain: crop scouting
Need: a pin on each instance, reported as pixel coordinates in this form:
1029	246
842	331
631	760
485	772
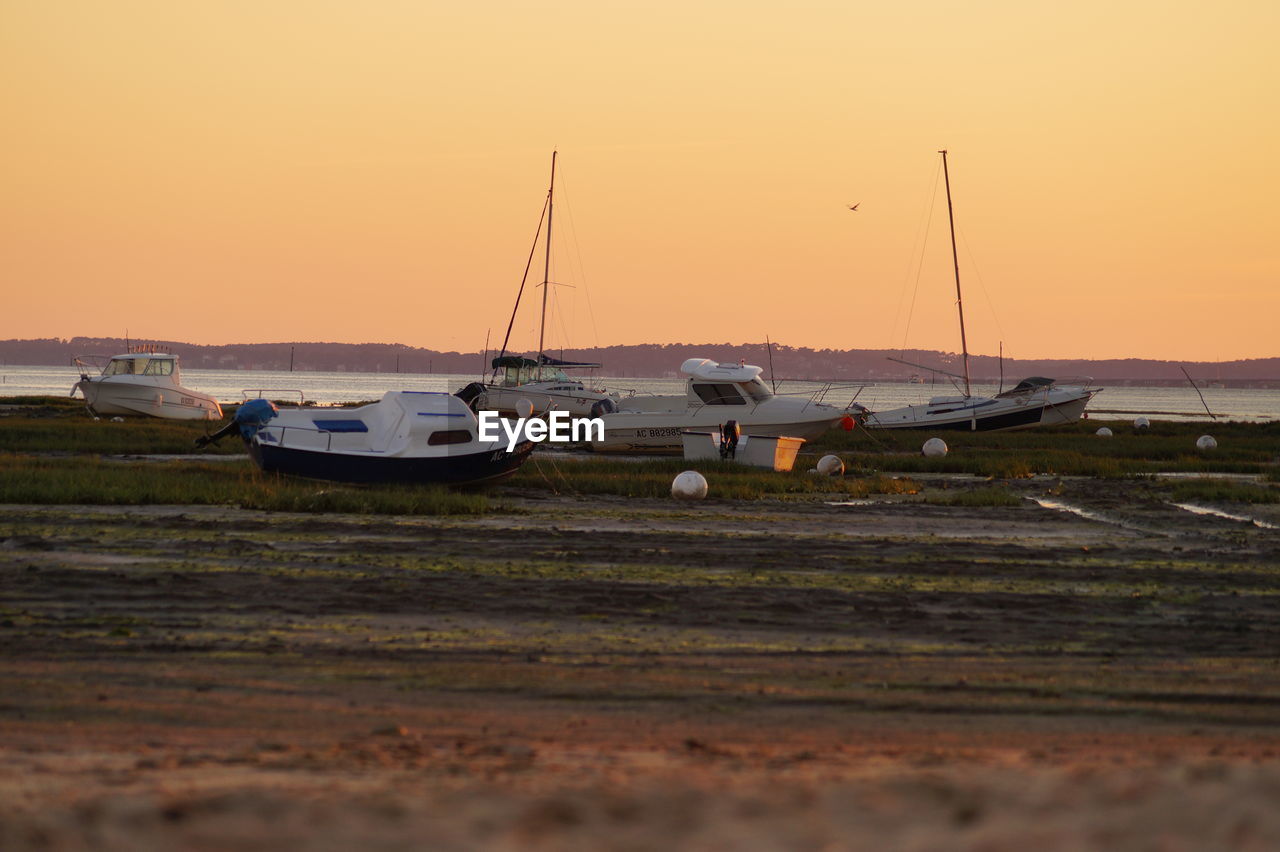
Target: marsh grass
56	425
73	430
46	403
43	480
652	478
1070	450
1226	491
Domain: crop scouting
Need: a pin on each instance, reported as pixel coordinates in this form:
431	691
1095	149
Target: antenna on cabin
772	380
1001	390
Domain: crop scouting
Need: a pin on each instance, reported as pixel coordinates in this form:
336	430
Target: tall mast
955	260
546	269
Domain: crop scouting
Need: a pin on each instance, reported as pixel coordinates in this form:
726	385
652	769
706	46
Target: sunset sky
257	171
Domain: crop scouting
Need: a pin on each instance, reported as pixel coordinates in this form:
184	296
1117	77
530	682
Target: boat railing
815	395
257	393
1082	382
1074	381
825	389
279	436
90	362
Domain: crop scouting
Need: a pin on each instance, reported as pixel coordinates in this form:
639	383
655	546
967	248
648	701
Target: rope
525	277
869	434
983	284
582	269
568	485
924	226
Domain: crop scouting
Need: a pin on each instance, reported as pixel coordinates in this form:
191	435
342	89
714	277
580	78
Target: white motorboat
1036	401
540	380
143	382
407	436
714	395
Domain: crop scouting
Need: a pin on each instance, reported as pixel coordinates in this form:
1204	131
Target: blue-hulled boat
407	436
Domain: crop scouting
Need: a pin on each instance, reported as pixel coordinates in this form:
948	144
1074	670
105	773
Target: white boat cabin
724	384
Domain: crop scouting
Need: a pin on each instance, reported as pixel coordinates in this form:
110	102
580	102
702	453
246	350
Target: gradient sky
254	171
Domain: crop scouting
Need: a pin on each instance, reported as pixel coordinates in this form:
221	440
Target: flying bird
854	207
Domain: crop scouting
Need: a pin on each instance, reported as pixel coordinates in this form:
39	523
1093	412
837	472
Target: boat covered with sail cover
407	436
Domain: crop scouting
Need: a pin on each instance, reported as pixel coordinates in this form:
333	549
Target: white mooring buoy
934	448
1103	432
831	465
1205	443
689	485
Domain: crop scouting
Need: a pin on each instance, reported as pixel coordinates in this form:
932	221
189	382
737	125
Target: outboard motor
729	434
602	406
250	417
471	395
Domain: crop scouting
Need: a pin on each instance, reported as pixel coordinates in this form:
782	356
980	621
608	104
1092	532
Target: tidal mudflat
1082	662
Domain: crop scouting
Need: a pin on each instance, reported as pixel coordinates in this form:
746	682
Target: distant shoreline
658	360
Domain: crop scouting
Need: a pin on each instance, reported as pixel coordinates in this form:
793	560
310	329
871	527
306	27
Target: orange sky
247	171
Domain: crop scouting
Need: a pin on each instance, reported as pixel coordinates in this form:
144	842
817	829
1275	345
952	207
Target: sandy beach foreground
636	674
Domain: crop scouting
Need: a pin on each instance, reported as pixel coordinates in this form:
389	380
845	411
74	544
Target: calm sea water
1115	403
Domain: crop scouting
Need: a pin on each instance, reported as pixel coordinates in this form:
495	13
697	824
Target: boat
540	380
714	394
143	381
407	436
1036	401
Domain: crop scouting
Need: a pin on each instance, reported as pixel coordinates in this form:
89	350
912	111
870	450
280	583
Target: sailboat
1035	401
540	381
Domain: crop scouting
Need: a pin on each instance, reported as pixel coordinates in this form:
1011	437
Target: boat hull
456	469
506	401
664	435
104	397
987	415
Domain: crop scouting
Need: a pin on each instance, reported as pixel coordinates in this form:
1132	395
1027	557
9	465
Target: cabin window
450	436
124	366
159	367
758	390
719	394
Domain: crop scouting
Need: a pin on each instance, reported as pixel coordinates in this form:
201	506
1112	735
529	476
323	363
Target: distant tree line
653	360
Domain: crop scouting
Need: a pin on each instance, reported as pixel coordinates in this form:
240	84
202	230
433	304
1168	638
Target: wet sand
627	674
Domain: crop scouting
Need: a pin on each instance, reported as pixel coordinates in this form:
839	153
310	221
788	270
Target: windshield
125	366
159	367
516	376
757	389
718	394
